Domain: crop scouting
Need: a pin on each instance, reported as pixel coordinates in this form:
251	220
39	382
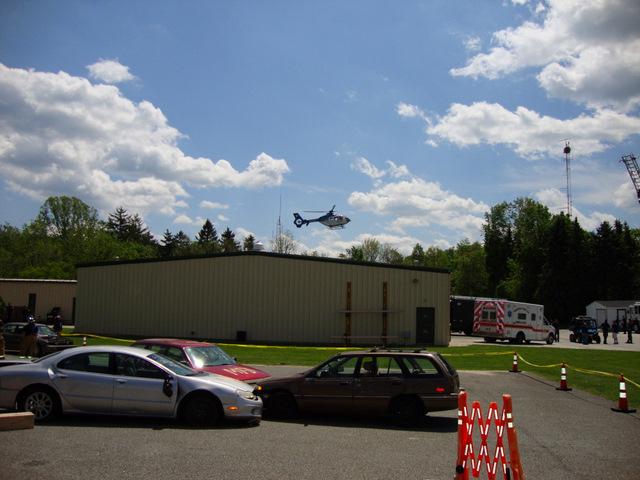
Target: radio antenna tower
279	224
567	161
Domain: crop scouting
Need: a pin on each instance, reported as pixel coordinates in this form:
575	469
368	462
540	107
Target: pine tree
228	241
118	224
207	238
167	244
248	243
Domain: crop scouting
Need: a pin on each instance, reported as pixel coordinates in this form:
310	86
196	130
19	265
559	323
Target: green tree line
67	231
527	253
531	255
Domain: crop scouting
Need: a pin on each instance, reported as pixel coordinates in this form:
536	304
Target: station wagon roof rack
389	349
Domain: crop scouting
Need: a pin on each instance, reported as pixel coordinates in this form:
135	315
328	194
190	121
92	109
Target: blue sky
412	117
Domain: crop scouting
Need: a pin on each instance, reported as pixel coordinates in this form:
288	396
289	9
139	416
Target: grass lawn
475	357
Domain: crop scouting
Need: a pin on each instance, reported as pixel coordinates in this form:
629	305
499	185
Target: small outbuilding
610	310
39	297
261	297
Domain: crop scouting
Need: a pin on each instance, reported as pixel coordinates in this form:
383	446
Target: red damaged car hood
238	371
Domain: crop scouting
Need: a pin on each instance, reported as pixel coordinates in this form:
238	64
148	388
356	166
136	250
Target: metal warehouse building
39	296
261	297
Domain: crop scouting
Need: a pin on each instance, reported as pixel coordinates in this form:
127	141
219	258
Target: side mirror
167	386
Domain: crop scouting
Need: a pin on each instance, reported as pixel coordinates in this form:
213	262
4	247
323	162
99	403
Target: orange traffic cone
84	341
563	379
623	403
514	367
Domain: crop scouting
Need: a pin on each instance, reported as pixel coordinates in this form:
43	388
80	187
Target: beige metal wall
49	294
275	299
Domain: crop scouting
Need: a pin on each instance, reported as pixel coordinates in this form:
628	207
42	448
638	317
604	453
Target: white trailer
633	317
518	322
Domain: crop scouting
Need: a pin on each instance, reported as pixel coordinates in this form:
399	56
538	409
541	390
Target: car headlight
247	395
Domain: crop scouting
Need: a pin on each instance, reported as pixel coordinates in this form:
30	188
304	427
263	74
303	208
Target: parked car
584	330
124	381
403	384
203	357
48	340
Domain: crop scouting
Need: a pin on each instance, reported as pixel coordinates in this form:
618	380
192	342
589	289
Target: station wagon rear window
420	366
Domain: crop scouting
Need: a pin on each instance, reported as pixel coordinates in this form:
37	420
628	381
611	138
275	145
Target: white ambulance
518	322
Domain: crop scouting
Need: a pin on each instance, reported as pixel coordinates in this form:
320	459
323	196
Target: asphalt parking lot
562	435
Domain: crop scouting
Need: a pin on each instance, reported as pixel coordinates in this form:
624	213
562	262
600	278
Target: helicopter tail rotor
299	221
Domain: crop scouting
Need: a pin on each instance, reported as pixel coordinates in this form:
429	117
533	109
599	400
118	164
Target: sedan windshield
44	330
175	367
208	356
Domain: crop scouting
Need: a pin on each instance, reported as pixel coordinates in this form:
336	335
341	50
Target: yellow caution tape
89	335
581	370
520	357
488	354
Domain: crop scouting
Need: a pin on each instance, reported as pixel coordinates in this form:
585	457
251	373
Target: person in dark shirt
605	330
30	341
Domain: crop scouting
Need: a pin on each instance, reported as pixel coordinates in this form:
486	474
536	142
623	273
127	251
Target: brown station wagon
403	384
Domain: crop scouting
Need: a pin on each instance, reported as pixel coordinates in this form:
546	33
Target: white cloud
528	133
213	205
409	111
589	52
110	71
397	171
183	220
223	218
472	44
363	165
60	134
416	204
553	197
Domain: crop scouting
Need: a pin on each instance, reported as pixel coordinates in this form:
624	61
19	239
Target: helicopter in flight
330	219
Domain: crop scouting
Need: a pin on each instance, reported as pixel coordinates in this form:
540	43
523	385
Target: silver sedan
130	381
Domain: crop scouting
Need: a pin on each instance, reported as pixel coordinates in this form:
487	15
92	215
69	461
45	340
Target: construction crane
632	166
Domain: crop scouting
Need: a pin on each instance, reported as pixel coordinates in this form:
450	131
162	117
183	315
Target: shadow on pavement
429	424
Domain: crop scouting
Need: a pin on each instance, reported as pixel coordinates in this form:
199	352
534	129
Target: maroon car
203	357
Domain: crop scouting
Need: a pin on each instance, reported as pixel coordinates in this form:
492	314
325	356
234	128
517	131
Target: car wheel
201	411
281	405
551	338
407	411
41	401
520	338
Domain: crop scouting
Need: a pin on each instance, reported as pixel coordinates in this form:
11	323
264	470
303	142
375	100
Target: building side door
32	303
425	325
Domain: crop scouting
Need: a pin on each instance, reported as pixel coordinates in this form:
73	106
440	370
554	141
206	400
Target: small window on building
522	316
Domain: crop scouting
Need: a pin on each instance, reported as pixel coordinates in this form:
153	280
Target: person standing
57	324
605	330
614	332
629	333
556	327
30	341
